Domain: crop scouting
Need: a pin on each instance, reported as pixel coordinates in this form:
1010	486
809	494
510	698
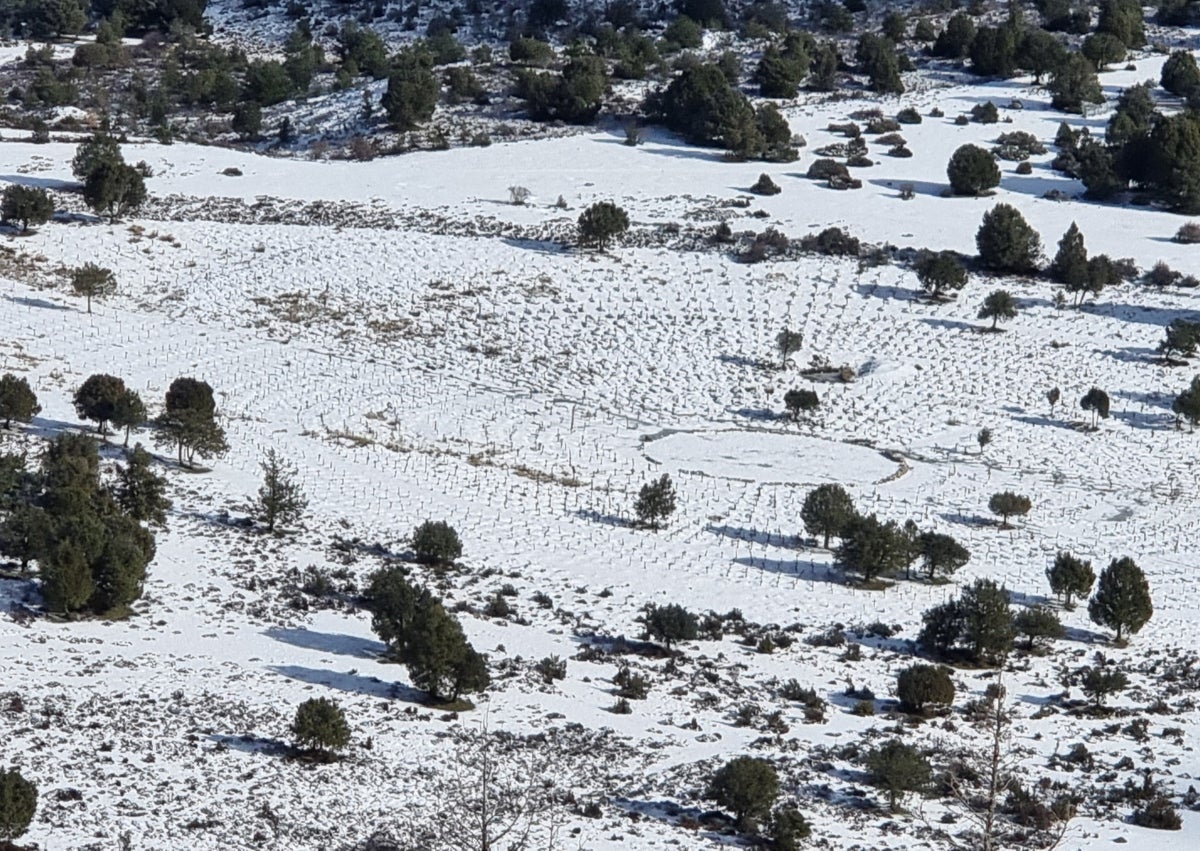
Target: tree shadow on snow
951	324
754	536
541	246
1034	419
593	516
25	301
887	292
714	826
327	642
1144	421
975	521
247	743
1138	313
920	187
748	362
40	182
797	568
762	414
351	682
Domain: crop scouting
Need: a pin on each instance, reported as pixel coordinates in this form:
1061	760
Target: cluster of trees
46	19
422	635
105	400
748	787
111	186
871	548
85	533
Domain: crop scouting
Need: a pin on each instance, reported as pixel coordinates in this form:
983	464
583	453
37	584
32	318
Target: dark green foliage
824	69
320	726
1096	401
799	402
955	40
765	185
18	803
1123	20
1073	84
877	57
1008	504
978	625
682	34
710	14
923	687
93	282
670	623
1098	683
17	400
972	170
788	827
574	96
788	342
994	52
1037	624
894	26
26	205
1006	242
924	31
188	421
1174	162
747	787
114	189
871	548
655	502
939	272
1159	814
702	106
1102	50
99	148
129	412
1187	403
897	768
140	16
531	51
1096	166
940	553
1070	263
780	76
394	603
247	120
439	658
140	492
1070	577
436	542
1122	599
600	223
1180	74
828	511
985	113
1039	52
280	500
998	305
361	48
96	399
118	569
65	573
412	91
267	83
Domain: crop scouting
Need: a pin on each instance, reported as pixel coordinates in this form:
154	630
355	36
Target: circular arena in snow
771	457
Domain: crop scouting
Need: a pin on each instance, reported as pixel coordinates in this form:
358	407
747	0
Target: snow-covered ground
431	352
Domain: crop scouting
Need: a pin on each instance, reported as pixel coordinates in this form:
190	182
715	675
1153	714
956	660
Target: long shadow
975	521
351	682
1130	354
251	744
887	292
1034	419
327	642
40	182
742	360
797	568
1039	186
951	324
1138	313
593	516
25	301
920	187
718	824
754	536
765	414
1145	422
541	246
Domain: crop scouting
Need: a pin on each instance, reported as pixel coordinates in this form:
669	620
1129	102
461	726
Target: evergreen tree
670	623
1174	167
1180	74
1006	242
140	492
18	804
940	272
1007	504
987	621
972	171
439	659
655	502
1098	684
1039	53
779	76
66	576
1073	83
955	40
26	205
1096	401
280	500
600	222
1070	577
129	412
1122	599
247	120
824	71
788	342
93	282
1182	337
702	106
872	548
828	511
17	400
320	726
1070	266
1038	623
998	305
92	152
22	533
799	402
118	567
994	52
747	787
897	768
920	687
394	603
1187	403
1123	20
96	399
114	189
941	553
189	421
1102	50
412	91
436	542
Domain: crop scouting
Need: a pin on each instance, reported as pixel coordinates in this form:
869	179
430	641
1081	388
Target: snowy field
427	350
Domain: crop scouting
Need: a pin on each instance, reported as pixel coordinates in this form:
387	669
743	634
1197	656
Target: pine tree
119	567
18	804
1187	403
1038	623
920	686
96	399
439	659
394	603
320	726
140	492
99	148
280	500
189	422
1070	266
972	170
787	343
1006	504
800	402
939	272
1122	599
872	548
436	542
1096	401
17	400
93	282
987	621
897	768
670	623
128	413
1070	577
1006	242
1074	84
656	502
747	787
114	189
827	511
26	205
941	553
600	222
1180	74
998	305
